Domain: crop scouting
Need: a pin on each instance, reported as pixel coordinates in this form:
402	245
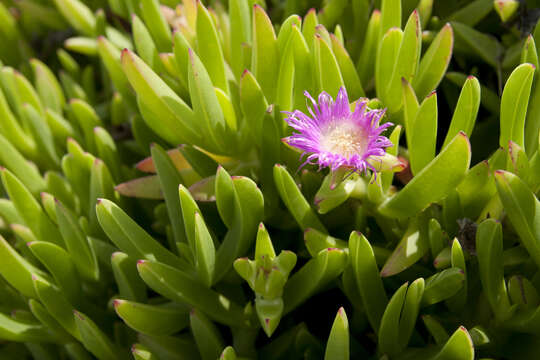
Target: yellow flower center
344	139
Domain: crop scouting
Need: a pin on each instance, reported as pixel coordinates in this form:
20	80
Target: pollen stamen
344	140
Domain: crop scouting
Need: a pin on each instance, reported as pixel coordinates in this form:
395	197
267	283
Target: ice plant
336	137
181	271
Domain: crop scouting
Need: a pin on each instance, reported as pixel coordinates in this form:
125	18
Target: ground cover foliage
153	208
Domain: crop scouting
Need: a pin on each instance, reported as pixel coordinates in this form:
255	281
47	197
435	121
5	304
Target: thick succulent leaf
209	48
295	201
172	119
514	103
368	279
412	246
130	285
177	286
424	134
337	346
391	15
30	210
130	237
265	54
482	45
314	275
61	266
523	210
434	62
239	13
442	286
434	182
16	270
458	347
207	336
169	179
77	243
94	340
158	320
466	110
22	331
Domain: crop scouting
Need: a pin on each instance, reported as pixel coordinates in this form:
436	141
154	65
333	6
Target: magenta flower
335	137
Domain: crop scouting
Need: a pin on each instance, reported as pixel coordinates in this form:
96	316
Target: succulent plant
169	191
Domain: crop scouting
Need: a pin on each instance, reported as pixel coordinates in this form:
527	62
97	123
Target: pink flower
335	137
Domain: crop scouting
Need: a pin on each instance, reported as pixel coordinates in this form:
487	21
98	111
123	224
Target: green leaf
130	237
472	13
207	336
77	244
253	103
523	293
47	86
11	129
16	270
59	263
171	118
337	347
434	182
348	70
329	196
386	60
247	211
30	210
316	241
42	133
458	347
78	15
206	106
11	158
515	99
110	55
130	285
56	304
176	285
169	179
326	67
239	14
141	352
313	276
265	55
366	61
209	48
157	25
295	201
434	62
406	64
412	246
205	253
424	135
158	320
435	329
22	331
94	340
482	45
368	279
169	347
466	110
523	210
144	44
409	313
391	15
48	321
457	260
389	330
442	286
203	164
